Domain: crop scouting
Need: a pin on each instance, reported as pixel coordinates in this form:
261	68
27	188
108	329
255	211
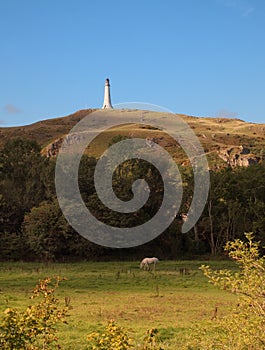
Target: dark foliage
32	226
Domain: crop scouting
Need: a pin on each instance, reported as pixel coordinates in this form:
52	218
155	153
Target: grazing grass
138	300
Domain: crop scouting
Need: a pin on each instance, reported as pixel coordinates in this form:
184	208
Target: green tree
86	176
236	204
21	182
46	231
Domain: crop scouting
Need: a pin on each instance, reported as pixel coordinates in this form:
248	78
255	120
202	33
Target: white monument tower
107	102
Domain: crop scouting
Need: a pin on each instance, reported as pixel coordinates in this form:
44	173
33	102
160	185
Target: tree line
32	226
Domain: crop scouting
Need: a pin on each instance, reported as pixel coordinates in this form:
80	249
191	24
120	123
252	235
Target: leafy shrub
36	327
112	337
244	327
151	340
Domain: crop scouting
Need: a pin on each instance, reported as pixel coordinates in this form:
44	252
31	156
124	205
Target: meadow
167	299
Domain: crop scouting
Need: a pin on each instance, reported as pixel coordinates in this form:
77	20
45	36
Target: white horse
146	262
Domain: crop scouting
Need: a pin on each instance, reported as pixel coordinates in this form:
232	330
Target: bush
151	341
36	327
244	327
112	337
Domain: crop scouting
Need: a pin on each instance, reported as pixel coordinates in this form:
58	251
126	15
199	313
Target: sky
203	58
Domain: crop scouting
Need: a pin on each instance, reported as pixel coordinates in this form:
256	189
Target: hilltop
45	131
226	141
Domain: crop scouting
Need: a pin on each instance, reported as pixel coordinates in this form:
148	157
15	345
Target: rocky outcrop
233	156
53	148
238	156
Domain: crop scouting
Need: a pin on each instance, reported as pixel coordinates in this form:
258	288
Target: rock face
238	156
233	156
53	148
244	150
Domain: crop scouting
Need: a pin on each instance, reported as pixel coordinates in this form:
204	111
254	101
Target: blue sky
196	57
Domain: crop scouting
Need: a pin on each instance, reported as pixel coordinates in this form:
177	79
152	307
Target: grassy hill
225	141
45	131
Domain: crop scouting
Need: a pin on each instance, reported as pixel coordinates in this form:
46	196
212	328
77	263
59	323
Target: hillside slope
226	141
45	131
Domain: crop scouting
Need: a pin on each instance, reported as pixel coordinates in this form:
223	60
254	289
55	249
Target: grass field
137	300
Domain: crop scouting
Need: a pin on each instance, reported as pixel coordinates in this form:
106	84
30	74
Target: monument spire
107	102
